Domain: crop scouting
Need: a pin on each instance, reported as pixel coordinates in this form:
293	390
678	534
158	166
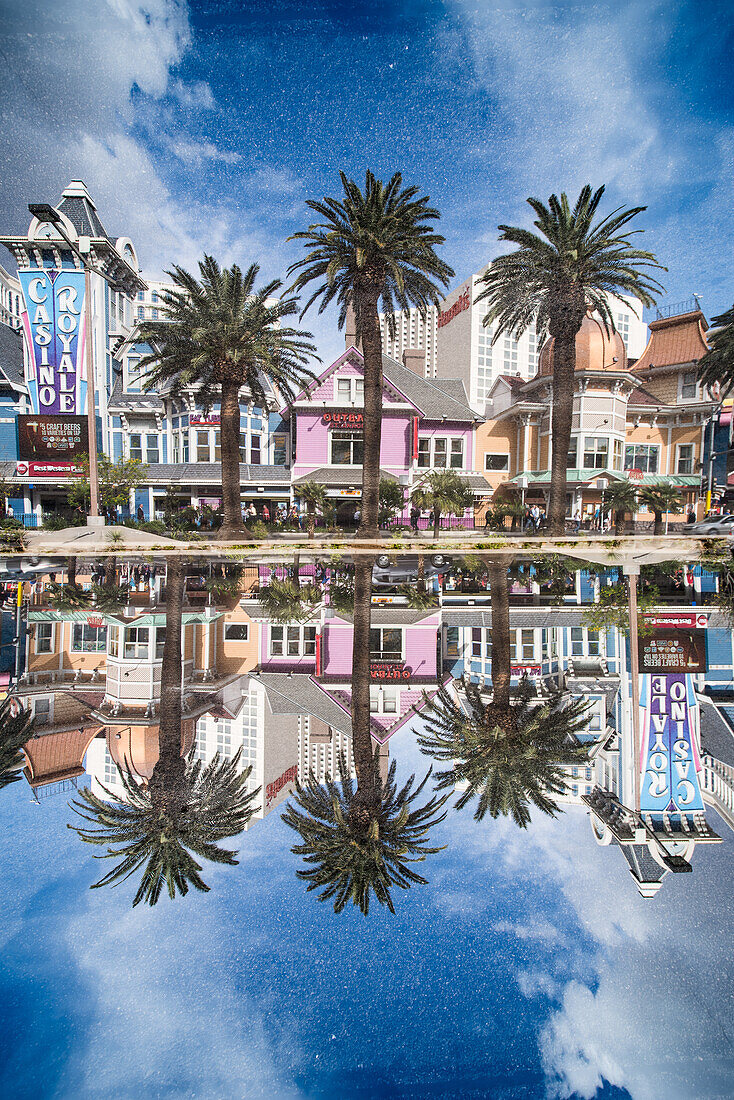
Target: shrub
54	522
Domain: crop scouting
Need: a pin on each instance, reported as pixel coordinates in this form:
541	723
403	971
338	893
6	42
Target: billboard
682	650
52	437
54	326
669	755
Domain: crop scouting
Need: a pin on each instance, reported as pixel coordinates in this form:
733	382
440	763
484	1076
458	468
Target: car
404	569
714	525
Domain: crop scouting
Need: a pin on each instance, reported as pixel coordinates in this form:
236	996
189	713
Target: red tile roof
674	341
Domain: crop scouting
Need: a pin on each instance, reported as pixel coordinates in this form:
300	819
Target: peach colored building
644	420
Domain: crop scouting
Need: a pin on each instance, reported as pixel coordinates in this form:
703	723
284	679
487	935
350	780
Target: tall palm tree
717	366
620	498
222	335
370	247
15	731
314	494
661	499
508	751
162	829
443	492
360	840
554	278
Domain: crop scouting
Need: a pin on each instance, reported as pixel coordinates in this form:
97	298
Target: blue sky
528	967
206	125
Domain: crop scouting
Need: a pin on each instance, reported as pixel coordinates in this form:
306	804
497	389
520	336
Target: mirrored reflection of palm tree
360	840
507	752
15	730
287	601
163	829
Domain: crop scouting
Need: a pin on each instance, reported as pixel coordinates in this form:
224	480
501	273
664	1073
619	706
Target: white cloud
195	153
197	94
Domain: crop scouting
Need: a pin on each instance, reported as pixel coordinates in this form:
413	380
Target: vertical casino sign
670	760
54	324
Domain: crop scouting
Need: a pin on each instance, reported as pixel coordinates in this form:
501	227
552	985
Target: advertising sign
681	650
669	761
46	469
54	328
44	437
273	789
389	671
462	302
344	419
203	419
679	619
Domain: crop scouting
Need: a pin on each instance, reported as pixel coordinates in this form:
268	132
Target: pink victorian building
427	425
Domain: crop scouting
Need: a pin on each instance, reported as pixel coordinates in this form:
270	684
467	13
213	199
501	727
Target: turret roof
674	341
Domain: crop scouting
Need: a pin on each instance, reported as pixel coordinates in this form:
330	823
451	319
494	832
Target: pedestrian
691	517
357	516
265	513
577	518
415	514
140	514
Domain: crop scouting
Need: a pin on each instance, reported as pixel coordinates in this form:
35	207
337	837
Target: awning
152	619
588	477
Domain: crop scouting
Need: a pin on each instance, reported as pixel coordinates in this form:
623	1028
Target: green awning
583	477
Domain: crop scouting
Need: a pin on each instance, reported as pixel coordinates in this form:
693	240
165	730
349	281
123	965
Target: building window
439	452
685	458
152	448
292	641
347	448
386	643
522	652
255	450
476	641
279	450
202	446
236	632
572	460
641	456
350	390
42	711
452	641
596	452
383	700
136	643
136	447
44	637
88	639
217	446
113	641
617	462
160	641
584	643
496	462
689	386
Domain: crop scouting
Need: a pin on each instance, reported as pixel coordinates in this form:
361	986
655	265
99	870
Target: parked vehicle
714	525
404	570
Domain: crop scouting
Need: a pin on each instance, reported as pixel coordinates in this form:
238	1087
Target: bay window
136	643
573	451
641	456
88	639
202	446
596	452
292	641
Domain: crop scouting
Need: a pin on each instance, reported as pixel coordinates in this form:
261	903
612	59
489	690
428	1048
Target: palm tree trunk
436	522
71	571
564	367
110	572
421	575
372	350
658	528
311	521
232	524
167	778
364	762
500	596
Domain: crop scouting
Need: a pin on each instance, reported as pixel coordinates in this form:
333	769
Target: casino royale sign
54	329
669	759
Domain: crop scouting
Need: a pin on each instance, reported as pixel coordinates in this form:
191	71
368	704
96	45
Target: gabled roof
674	341
11	356
436	399
57	755
338	475
300	694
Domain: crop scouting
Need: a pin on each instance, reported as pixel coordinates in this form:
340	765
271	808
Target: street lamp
602	484
44	212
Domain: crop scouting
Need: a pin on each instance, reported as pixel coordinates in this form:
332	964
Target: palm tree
392	499
360	840
509	760
442	492
287	601
620	498
554	278
15	731
371	247
222	335
508	752
314	495
661	499
717	366
184	810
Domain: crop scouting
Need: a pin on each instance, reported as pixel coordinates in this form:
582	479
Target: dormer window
350	391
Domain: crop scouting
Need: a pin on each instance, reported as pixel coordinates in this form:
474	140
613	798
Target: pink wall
419	646
304	664
312	442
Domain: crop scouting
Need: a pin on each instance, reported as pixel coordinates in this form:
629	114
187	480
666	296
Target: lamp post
47	213
602	484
